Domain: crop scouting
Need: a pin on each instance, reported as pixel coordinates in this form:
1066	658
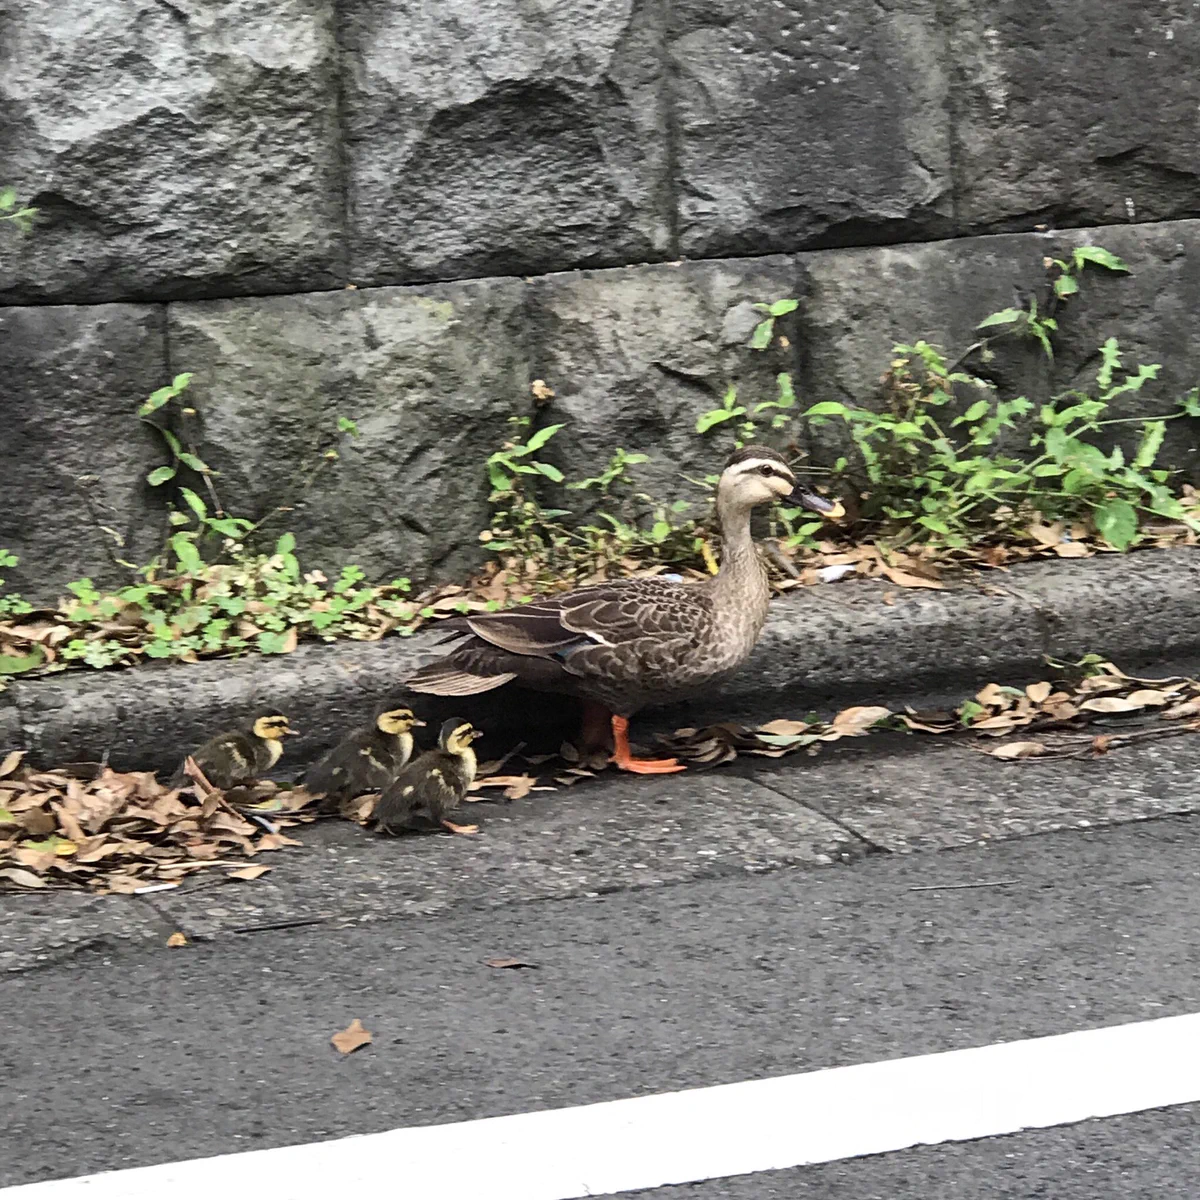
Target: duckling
366	760
240	755
434	784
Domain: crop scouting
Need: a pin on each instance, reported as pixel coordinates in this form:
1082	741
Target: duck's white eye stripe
752	466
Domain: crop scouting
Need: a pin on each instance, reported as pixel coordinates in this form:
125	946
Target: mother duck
624	645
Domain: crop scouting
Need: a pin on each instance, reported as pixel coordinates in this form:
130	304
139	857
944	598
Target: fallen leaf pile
109	831
995	712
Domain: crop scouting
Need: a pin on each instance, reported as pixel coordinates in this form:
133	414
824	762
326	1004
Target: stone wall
403	212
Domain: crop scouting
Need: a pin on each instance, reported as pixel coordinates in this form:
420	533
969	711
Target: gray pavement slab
608	836
913	793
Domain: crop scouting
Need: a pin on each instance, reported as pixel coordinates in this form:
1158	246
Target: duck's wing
617	630
427	786
611	614
228	753
351	765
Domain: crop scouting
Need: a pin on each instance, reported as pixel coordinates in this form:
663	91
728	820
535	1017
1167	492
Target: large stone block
1075	113
863	302
73	454
499	137
635	355
173	149
802	124
430	376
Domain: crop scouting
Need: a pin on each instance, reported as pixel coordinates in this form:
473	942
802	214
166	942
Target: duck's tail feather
444	679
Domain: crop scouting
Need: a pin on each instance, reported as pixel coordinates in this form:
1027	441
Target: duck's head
396	721
457	735
756	475
273	727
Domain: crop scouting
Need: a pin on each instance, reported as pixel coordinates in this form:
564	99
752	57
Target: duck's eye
766	470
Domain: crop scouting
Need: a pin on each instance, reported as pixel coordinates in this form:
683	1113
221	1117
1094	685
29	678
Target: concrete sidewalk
879	795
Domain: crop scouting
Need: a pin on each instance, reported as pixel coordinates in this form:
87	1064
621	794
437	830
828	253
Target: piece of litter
833	574
154	887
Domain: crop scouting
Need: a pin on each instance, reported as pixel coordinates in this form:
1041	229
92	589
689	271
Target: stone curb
822	645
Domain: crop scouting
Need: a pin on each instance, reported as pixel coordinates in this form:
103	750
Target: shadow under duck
365	760
631	643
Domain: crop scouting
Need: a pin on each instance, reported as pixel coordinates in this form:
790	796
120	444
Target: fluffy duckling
366	760
240	756
432	785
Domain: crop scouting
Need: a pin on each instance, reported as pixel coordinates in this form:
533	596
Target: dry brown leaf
1039	693
784	727
21	877
509	964
1189	708
351	1038
1013	750
124	885
1112	704
914	721
12	760
516	787
1101	743
994	695
68	824
851	722
36	821
35	860
276	841
1150	697
248	872
1046	535
1073	550
176	940
1008	720
909	580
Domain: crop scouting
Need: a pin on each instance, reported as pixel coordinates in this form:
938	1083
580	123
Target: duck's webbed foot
624	759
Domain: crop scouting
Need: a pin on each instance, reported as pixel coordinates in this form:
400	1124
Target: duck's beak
419	724
814	503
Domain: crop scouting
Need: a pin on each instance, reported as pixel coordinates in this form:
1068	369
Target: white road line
706	1133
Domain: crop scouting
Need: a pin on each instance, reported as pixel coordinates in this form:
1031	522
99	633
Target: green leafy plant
1029	322
942	478
749	421
22	217
11	605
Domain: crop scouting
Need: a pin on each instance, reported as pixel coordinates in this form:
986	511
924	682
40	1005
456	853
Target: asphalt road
128	1053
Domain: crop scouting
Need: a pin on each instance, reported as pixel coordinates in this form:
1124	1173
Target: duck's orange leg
640	766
